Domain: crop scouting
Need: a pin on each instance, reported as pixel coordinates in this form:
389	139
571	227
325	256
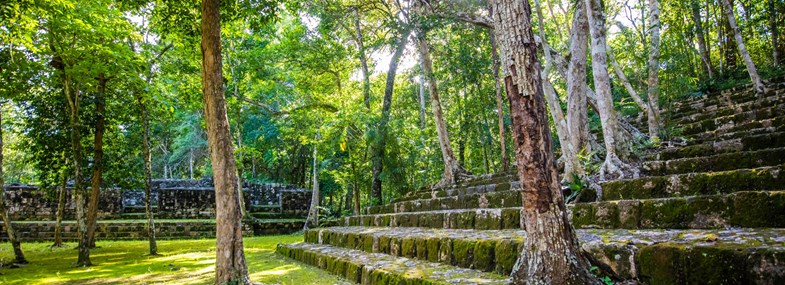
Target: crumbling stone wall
26	203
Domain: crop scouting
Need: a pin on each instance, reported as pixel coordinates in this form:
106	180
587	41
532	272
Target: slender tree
577	114
654	69
60	208
230	267
19	256
751	69
775	33
702	47
98	159
551	254
499	99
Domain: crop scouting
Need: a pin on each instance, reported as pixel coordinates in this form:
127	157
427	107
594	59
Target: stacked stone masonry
710	211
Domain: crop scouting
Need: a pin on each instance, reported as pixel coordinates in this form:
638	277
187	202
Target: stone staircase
709	212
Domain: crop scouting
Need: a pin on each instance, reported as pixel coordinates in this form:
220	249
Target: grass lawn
181	262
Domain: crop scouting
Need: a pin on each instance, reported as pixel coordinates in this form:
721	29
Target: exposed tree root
613	168
459	174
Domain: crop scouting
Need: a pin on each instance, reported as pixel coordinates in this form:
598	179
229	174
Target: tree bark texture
313	211
98	159
775	33
230	267
614	141
702	47
551	254
19	256
453	171
78	193
751	69
499	99
653	114
378	150
577	113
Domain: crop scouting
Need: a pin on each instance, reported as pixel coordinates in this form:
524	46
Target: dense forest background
295	79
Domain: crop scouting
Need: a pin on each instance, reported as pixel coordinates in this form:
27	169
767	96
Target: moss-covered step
692	184
717	162
760	141
750	209
502	197
751	128
481	219
484	183
719	109
377	268
729	97
496	250
733	120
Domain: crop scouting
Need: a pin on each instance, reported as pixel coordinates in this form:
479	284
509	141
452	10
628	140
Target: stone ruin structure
275	207
710	211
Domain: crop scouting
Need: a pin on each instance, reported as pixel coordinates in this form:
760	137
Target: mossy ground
181	262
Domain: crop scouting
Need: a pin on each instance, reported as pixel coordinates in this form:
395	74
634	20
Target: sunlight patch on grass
181	262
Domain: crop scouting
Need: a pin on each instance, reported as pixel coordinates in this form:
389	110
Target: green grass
181	262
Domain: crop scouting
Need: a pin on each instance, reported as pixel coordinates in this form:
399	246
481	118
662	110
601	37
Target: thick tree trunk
230	267
378	150
654	68
453	172
702	47
78	193
60	209
551	254
577	113
19	256
98	159
363	60
148	179
775	33
499	101
751	69
614	141
572	167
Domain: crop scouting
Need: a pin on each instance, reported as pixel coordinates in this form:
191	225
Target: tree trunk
19	256
60	209
98	159
453	172
572	167
654	68
191	163
499	99
422	103
363	60
230	267
78	193
148	180
551	254
615	144
378	151
577	113
702	48
729	45
756	81
313	212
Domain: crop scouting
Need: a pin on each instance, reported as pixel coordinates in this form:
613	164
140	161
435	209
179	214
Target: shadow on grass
180	262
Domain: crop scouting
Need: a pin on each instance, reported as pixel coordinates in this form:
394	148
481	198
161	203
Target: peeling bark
551	253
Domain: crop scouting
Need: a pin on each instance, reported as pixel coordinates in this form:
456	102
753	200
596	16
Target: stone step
377	268
725	108
750	209
735	142
757	127
500	184
732	96
632	254
497	199
740	209
731	122
717	162
692	184
480	183
137	209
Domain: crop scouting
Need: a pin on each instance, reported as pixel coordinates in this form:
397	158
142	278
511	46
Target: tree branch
274	112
